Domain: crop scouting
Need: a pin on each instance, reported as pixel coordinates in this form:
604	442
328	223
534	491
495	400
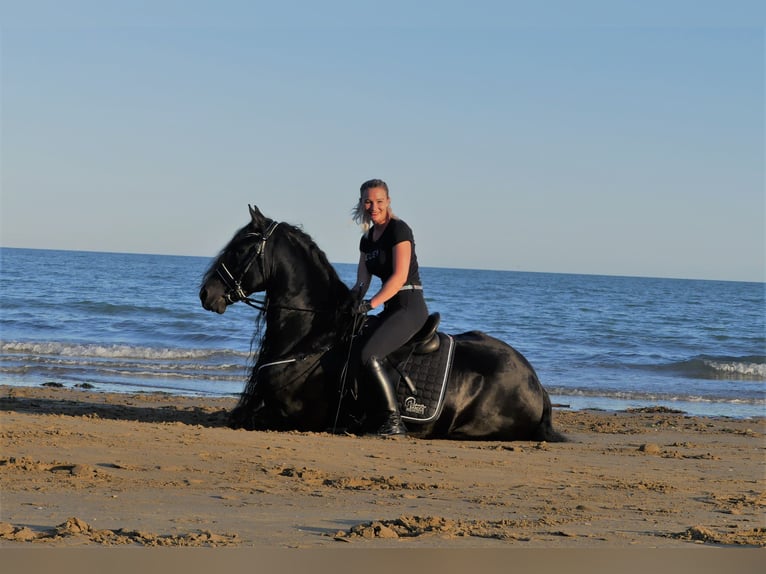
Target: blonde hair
359	213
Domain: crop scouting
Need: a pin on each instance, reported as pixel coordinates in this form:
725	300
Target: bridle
235	292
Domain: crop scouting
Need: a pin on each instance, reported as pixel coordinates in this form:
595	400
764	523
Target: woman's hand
363	308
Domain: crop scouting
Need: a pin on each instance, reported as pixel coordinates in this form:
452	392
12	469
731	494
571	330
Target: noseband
235	292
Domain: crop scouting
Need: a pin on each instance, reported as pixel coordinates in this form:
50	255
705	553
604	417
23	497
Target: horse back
488	355
494	394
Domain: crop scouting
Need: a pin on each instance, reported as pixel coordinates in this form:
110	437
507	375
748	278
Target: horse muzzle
213	302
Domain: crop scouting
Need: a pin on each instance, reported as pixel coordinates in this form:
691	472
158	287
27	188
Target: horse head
240	268
280	259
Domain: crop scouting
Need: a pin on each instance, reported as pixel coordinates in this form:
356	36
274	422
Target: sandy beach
87	469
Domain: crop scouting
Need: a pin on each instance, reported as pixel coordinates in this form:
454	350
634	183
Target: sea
131	323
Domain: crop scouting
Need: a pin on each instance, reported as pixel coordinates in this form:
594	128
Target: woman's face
376	202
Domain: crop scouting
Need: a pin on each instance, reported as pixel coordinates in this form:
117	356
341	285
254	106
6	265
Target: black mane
320	260
336	311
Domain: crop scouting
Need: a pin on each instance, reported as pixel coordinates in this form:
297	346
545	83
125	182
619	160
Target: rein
354	331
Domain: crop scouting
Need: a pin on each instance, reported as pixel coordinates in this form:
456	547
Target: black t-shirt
379	254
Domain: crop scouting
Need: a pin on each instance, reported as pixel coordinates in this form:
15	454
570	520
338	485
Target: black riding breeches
402	317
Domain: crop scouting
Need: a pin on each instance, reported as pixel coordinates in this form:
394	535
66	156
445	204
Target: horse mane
339	291
319	257
339	296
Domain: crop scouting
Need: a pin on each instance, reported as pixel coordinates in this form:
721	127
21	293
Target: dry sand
81	468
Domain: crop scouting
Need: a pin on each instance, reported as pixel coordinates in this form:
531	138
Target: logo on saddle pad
411	405
428	374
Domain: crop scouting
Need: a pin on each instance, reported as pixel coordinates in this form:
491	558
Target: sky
580	137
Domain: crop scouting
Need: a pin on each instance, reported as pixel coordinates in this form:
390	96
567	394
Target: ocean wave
648	397
750	368
739	368
36	361
115	351
30	362
95	308
120	372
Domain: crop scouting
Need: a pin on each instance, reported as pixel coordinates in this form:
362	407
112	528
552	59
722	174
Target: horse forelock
212	270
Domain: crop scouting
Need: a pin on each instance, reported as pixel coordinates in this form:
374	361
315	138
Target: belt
409	287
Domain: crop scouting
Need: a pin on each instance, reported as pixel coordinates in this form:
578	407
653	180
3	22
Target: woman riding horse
387	251
298	380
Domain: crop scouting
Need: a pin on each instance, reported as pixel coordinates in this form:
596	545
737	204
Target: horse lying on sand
465	386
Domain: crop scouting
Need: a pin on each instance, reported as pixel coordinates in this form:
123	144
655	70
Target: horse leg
244	416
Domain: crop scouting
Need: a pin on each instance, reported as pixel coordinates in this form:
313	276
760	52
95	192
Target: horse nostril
203	295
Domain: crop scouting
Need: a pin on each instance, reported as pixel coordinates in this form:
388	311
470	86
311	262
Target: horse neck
294	333
307	301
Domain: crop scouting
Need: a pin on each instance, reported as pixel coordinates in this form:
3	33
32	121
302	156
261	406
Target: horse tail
545	430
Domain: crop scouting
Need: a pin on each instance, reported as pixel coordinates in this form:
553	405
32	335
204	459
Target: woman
387	250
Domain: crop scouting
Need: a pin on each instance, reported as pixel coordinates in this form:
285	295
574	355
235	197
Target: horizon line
588	274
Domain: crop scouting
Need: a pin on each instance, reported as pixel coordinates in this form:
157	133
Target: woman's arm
402	253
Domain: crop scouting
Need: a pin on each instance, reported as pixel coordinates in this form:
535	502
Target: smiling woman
387	251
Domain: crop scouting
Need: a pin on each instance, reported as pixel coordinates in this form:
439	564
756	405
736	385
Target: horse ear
256	215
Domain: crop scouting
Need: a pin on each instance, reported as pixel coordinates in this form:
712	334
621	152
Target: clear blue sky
590	138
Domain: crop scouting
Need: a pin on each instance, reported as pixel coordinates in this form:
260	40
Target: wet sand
87	469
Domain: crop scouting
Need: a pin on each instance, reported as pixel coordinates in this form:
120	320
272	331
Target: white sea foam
740	368
111	351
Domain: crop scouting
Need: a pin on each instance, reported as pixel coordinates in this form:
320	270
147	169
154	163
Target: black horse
301	381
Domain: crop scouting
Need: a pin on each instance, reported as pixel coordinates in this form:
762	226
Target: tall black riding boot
393	424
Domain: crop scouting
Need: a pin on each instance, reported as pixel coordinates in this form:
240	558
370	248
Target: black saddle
426	340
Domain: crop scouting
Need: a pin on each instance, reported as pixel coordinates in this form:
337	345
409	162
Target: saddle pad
429	373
